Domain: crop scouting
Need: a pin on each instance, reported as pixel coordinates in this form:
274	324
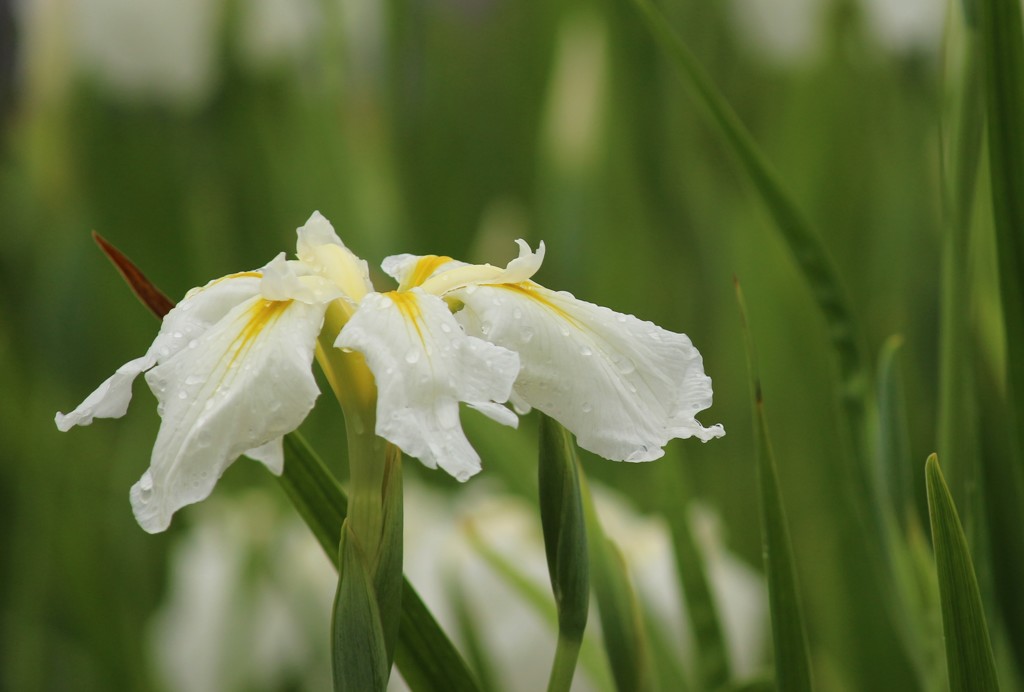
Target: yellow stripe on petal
261	315
425	266
528	289
410	309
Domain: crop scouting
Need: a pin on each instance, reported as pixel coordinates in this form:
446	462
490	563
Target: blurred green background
197	135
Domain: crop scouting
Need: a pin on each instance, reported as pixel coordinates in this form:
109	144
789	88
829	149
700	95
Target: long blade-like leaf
792	664
969	657
1002	56
804	244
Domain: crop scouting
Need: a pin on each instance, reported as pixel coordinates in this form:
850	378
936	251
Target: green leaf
915	592
425	656
1001	37
387	575
792	663
565	543
625	639
805	246
712	653
358	655
969	657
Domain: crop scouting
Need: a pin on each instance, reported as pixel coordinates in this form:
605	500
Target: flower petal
192	316
321	249
243	383
622	385
424	365
458	275
110	400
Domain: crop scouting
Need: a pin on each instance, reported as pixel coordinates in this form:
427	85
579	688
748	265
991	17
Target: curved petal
321	249
111	399
624	386
294	280
424	365
200	308
459	275
243	383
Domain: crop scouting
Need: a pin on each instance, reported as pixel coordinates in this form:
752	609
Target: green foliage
565	542
969	657
789	637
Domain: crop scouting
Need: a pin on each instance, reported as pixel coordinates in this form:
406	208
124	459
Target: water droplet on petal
625	365
182	394
526	333
412	356
564	329
384	302
193	343
587	407
445	328
517	314
586	350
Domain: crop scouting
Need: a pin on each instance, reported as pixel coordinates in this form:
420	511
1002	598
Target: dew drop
193	380
587	407
517	314
193	343
564	329
182	394
525	334
412	356
177	335
586	350
384	303
445	328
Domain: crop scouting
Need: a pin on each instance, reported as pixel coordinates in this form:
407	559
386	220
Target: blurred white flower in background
248	602
791	32
163	50
250	591
443	558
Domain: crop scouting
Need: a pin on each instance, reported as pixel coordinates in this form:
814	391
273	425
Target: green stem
564	667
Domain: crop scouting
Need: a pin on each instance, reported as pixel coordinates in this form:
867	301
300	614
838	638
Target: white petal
244	383
498	413
110	400
412	270
322	250
462	275
293	280
270	455
622	385
424	365
190	318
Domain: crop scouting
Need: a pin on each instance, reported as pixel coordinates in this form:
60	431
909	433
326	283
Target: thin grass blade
712	653
969	657
625	638
792	662
1001	37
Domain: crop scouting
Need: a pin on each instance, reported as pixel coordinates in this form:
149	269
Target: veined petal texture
232	385
622	385
424	365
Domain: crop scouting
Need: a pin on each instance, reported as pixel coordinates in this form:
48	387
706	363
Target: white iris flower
232	365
